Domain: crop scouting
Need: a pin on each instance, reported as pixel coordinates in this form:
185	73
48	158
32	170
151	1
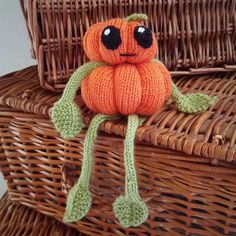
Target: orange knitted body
127	88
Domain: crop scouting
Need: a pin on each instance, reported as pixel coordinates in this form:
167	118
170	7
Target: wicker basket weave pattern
186	195
19	220
193	36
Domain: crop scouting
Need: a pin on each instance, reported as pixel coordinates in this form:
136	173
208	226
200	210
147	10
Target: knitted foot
195	102
67	119
130	212
78	203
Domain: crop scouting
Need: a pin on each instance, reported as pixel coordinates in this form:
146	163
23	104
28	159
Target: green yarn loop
66	115
129	208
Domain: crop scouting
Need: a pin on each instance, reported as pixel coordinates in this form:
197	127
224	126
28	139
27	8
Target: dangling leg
130	208
79	198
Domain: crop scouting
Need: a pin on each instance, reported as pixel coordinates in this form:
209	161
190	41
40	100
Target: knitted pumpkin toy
122	78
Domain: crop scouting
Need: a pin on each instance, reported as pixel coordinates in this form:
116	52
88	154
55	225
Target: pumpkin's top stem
136	17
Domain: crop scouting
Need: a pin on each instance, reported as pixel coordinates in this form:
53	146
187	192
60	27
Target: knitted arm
187	103
66	115
192	102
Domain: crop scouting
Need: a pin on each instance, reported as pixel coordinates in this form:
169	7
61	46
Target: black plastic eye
143	36
111	37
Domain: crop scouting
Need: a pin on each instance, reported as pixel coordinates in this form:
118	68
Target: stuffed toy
122	79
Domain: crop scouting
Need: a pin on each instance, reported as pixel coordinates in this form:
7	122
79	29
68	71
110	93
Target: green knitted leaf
195	102
66	115
78	203
67	118
130	212
192	102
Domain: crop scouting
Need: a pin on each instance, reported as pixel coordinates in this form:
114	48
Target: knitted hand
67	118
187	103
192	102
66	115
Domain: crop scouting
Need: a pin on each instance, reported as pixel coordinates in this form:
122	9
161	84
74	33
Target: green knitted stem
66	115
136	17
157	60
192	102
130	209
79	198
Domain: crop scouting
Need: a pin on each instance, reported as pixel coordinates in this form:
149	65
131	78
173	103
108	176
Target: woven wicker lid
210	134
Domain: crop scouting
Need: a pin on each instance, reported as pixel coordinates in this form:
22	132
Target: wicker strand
193	36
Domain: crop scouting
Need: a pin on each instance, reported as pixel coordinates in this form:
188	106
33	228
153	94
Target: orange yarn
129	84
96	51
126	89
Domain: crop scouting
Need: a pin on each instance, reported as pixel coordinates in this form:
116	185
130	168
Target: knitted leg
130	208
79	198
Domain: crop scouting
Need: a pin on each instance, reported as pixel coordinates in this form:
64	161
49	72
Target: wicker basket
19	220
195	36
190	195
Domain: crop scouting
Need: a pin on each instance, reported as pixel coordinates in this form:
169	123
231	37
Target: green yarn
77	77
130	209
78	203
66	115
79	199
192	102
67	119
136	17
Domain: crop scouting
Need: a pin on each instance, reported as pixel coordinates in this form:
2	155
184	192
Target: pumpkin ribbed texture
127	88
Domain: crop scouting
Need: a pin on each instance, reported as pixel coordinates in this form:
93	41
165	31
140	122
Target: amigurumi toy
122	78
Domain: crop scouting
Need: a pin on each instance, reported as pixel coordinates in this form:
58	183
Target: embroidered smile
127	54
